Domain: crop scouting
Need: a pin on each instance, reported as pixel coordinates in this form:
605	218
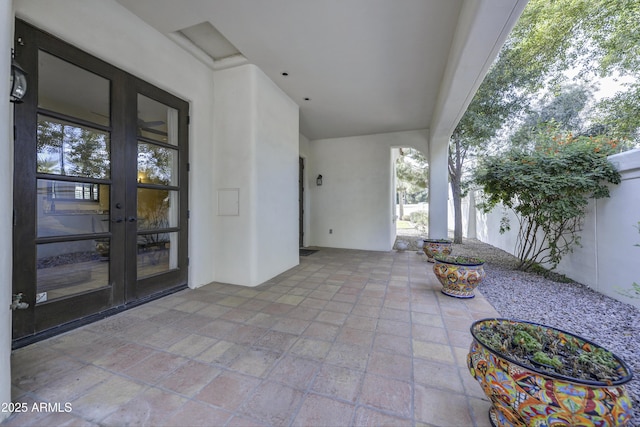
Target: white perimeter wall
608	261
356	199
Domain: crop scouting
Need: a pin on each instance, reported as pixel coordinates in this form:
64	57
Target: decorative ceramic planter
433	247
459	276
523	396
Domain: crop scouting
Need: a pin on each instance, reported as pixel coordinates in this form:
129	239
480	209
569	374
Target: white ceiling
367	66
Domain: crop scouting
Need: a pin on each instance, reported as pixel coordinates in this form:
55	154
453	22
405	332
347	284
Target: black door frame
125	290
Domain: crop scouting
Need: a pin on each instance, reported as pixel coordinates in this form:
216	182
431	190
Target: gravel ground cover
570	306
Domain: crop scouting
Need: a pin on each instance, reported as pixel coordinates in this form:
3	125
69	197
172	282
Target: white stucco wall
6	200
355	200
257	138
607	261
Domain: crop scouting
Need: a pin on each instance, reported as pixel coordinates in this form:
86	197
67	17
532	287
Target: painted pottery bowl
459	276
433	247
524	396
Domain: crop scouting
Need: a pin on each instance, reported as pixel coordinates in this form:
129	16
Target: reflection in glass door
158	191
73	182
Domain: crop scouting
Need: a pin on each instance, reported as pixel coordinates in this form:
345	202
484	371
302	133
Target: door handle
118	219
132	219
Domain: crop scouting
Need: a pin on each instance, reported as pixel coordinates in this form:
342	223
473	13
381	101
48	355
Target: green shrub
548	186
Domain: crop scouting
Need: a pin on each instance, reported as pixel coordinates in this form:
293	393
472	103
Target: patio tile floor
346	338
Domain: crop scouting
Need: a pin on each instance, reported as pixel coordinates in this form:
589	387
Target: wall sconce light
18	81
319	180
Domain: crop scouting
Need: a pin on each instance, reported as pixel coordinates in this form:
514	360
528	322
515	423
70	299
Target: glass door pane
158	194
73	171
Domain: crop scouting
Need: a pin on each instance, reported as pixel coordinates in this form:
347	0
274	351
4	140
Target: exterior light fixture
18	82
319	180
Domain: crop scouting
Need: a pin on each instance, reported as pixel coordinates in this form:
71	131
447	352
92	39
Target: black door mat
307	252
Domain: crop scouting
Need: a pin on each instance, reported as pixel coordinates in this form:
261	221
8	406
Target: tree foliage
412	172
548	188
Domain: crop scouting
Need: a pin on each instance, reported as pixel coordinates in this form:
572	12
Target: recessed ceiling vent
209	39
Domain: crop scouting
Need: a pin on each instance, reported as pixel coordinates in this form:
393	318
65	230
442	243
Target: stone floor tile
294	371
321	331
238	315
189	378
167	317
105	398
391	366
151	408
433	351
480	411
441	408
364	310
331	317
218	329
355	337
430	334
348	356
366	417
196	414
387	394
276	341
311	348
427	319
255	362
340	307
290	325
339	382
244	421
30	374
460	355
232	301
222	353
192	345
393	344
214	311
272	403
57	419
164	338
362	322
72	384
262	320
397	315
437	375
460	338
228	390
394	327
156	366
321	411
303	312
246	334
124	357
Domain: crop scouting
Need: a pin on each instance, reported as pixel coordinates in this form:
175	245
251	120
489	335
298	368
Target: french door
100	189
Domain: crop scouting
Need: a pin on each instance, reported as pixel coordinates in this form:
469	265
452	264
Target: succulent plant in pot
459	275
536	375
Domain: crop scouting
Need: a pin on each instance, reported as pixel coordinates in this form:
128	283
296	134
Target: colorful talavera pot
459	276
524	396
433	247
